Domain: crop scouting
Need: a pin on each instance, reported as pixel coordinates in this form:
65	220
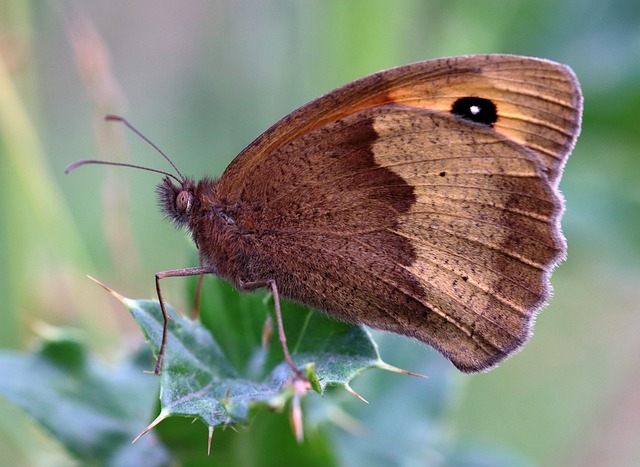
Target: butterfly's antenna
116	118
77	164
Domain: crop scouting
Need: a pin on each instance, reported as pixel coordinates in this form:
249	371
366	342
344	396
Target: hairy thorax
223	238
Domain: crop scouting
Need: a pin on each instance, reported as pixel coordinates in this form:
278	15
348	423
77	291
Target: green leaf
223	383
93	410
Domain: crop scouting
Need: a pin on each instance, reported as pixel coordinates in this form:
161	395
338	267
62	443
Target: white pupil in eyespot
474	109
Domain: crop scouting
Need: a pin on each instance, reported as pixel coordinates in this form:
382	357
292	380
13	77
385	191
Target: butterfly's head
176	193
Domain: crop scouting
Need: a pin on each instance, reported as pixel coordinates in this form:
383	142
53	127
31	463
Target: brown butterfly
421	200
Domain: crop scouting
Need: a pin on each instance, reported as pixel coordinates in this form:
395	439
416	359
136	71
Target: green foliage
93	410
96	411
199	381
100	410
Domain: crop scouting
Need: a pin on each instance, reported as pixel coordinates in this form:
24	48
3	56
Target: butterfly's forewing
377	205
539	105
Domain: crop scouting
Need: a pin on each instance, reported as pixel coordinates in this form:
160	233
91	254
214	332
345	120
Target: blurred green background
203	78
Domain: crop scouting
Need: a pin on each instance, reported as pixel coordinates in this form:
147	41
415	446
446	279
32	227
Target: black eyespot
475	109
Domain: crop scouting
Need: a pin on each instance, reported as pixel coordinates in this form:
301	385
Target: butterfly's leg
196	301
199	271
281	335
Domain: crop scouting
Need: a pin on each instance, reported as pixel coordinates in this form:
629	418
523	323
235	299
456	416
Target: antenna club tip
113	118
71	167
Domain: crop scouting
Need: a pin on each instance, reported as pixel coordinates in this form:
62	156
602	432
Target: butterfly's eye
184	200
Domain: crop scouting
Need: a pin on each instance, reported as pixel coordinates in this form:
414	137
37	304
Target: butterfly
421	200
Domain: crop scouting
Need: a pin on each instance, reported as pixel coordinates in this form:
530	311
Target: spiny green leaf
199	381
